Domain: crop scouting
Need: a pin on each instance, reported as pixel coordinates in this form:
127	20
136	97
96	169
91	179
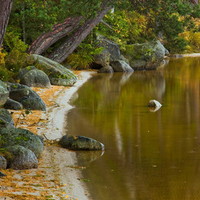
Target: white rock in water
154	103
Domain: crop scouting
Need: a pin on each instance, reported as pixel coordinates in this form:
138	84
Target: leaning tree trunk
60	30
5	9
71	43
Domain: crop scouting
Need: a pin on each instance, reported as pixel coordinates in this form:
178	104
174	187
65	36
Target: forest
66	31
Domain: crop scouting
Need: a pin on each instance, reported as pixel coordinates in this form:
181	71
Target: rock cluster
146	56
19	148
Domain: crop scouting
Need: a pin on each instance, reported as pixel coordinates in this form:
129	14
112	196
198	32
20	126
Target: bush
15	55
193	39
83	57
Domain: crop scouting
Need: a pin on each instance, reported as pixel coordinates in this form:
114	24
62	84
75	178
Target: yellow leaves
2	56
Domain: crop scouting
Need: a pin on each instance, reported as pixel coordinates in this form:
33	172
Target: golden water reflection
149	155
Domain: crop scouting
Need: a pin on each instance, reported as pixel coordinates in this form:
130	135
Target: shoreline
56	129
58	176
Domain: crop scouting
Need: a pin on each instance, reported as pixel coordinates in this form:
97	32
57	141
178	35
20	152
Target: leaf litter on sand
33	184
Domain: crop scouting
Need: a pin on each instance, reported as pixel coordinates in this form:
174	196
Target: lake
149	155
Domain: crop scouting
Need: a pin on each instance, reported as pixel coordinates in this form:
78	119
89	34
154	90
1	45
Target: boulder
57	73
146	56
33	77
13	105
3	93
33	103
121	66
106	69
3	162
111	51
80	143
6	120
21	158
26	96
22	137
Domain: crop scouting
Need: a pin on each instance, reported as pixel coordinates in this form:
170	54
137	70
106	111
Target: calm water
149	155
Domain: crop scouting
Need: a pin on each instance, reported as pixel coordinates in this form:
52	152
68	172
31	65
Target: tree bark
5	9
60	30
71	43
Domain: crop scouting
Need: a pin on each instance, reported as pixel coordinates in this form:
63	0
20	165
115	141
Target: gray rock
110	53
13	105
6	120
21	158
57	73
33	103
106	69
34	77
25	95
145	56
111	47
3	93
80	143
23	71
3	162
121	66
23	137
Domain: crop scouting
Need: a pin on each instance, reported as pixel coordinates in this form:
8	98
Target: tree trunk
60	30
195	2
5	9
66	48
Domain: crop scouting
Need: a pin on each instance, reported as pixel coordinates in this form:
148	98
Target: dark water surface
149	155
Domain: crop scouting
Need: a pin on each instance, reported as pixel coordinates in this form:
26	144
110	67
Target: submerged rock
80	143
154	105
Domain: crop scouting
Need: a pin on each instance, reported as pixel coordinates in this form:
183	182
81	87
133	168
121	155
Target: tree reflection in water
148	155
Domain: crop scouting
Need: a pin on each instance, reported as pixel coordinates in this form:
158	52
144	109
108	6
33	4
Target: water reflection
148	155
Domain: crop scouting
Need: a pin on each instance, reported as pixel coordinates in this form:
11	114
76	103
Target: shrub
193	39
15	56
83	57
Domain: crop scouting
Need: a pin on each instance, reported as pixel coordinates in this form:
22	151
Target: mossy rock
6	120
13	105
33	77
21	158
26	96
4	93
80	143
57	73
145	56
23	137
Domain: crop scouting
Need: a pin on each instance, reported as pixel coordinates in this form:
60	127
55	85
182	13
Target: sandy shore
58	176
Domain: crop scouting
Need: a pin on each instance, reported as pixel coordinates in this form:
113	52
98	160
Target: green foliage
193	39
83	57
16	54
177	45
4	72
